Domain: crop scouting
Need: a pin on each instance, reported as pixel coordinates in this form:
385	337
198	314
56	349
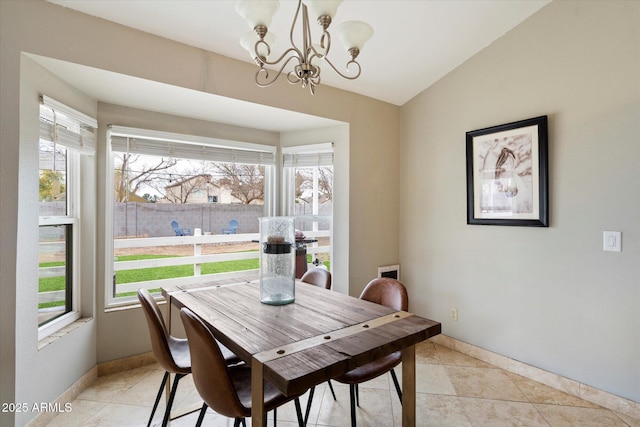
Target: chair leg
352	401
236	422
301	422
357	395
201	416
172	395
332	392
309	402
275	417
395	382
155	405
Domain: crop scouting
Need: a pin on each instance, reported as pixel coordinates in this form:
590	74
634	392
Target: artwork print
506	175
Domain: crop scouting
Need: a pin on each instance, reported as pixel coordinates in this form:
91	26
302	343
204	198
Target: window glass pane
314	197
314	190
54	284
53	179
158	199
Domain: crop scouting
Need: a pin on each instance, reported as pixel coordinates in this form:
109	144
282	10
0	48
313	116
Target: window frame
306	156
72	243
76	132
227	151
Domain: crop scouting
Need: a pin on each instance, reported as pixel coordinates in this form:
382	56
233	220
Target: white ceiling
415	43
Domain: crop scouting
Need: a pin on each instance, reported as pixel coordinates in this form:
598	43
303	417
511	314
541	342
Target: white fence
196	259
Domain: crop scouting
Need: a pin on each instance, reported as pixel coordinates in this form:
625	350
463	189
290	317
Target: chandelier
307	56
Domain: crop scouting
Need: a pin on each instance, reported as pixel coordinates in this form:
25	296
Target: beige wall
549	297
44	29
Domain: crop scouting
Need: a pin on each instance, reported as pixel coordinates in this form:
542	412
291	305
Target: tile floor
453	389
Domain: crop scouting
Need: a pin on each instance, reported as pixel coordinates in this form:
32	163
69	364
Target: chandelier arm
293	78
293	26
312	52
325	35
285	53
343	75
267	81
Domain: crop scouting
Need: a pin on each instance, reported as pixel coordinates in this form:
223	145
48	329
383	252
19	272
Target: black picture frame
507	174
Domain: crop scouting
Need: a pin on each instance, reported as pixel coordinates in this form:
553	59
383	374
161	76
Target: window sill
129	305
62	332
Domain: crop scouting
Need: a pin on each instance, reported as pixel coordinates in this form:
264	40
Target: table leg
409	387
167	321
258	418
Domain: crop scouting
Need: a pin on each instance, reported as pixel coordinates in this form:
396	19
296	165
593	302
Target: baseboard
68	396
572	387
125	364
101	369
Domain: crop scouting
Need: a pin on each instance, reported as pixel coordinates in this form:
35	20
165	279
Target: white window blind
63	125
308	155
166	144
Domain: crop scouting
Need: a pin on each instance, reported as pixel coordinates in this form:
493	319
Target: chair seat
228	355
241	378
179	349
371	370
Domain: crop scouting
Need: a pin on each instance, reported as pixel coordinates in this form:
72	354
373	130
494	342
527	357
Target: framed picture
507	174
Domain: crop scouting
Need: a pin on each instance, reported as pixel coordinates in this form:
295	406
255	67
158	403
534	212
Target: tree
52	183
149	198
131	174
325	182
304	184
246	182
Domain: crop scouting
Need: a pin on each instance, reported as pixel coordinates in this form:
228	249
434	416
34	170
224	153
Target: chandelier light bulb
354	34
257	12
323	7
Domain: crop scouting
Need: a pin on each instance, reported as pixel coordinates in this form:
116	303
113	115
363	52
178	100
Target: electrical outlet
454	314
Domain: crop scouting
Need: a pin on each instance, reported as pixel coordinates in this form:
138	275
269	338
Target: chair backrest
209	369
157	331
317	276
386	291
176	228
233	224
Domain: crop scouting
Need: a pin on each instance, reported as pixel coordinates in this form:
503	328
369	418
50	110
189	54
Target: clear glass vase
277	260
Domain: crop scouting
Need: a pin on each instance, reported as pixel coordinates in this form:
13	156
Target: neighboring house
198	189
195	189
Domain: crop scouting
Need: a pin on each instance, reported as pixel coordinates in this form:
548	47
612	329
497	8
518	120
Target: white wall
53	367
549	297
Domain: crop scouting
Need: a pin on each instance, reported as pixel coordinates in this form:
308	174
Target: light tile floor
452	390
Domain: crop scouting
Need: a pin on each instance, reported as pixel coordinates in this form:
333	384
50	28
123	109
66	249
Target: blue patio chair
180	231
233	227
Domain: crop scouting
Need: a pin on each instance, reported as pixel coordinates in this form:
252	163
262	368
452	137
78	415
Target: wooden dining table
319	336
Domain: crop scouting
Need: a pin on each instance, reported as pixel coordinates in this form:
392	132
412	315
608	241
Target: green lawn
143	274
156	273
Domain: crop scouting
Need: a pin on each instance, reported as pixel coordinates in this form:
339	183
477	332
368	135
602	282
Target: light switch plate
612	241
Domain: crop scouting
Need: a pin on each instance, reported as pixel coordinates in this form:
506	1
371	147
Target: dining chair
225	389
317	276
393	294
171	353
322	278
